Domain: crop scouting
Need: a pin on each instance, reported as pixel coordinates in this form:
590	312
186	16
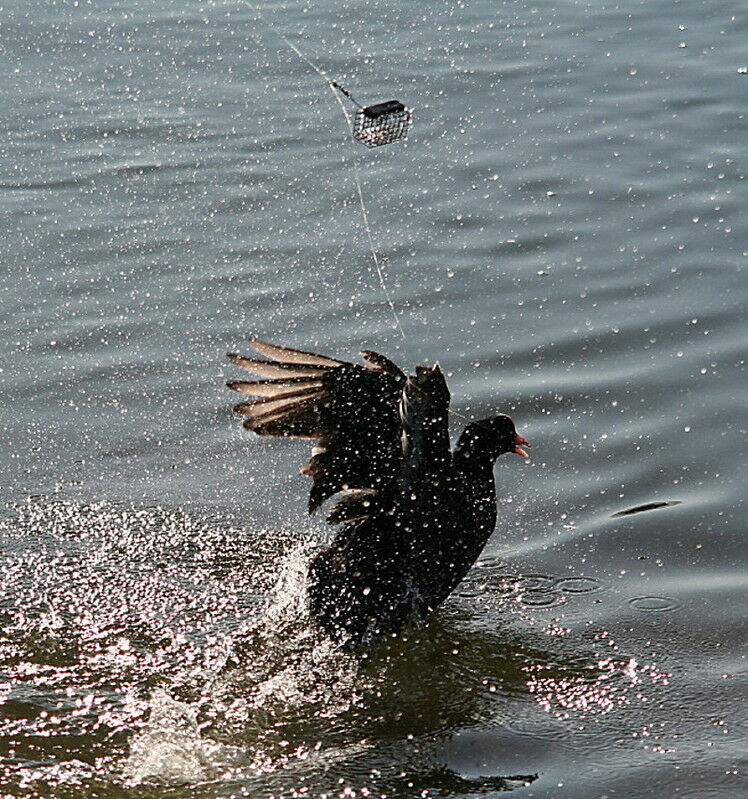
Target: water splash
178	650
271	679
101	603
171	749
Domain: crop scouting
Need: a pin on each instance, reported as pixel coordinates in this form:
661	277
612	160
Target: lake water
564	230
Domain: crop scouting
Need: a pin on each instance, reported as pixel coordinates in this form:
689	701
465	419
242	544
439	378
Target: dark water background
565	230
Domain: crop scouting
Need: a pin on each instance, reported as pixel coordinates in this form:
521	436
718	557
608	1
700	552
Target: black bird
413	514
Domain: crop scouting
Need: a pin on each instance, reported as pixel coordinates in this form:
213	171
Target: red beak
520	442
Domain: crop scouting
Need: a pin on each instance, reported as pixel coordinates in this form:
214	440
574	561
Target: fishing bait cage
382	123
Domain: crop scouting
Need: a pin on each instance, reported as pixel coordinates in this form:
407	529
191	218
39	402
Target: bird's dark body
414	514
376	577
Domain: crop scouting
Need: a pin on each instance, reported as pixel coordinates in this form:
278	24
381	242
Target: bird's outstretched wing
351	411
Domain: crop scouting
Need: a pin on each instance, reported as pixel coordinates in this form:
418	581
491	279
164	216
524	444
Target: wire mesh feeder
382	123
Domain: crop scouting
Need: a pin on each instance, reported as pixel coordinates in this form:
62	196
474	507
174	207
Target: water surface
564	230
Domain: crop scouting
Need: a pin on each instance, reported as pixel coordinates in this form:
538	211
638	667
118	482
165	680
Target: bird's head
492	437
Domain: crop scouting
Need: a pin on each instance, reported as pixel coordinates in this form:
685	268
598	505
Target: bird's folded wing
424	414
351	412
425	454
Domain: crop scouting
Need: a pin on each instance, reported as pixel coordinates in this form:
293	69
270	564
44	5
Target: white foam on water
170	748
288	605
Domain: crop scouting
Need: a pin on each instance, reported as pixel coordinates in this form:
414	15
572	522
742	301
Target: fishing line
374	256
374	125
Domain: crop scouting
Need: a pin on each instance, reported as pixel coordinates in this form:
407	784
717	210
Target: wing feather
273	369
287	355
424	411
351	411
273	388
300	422
270	406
